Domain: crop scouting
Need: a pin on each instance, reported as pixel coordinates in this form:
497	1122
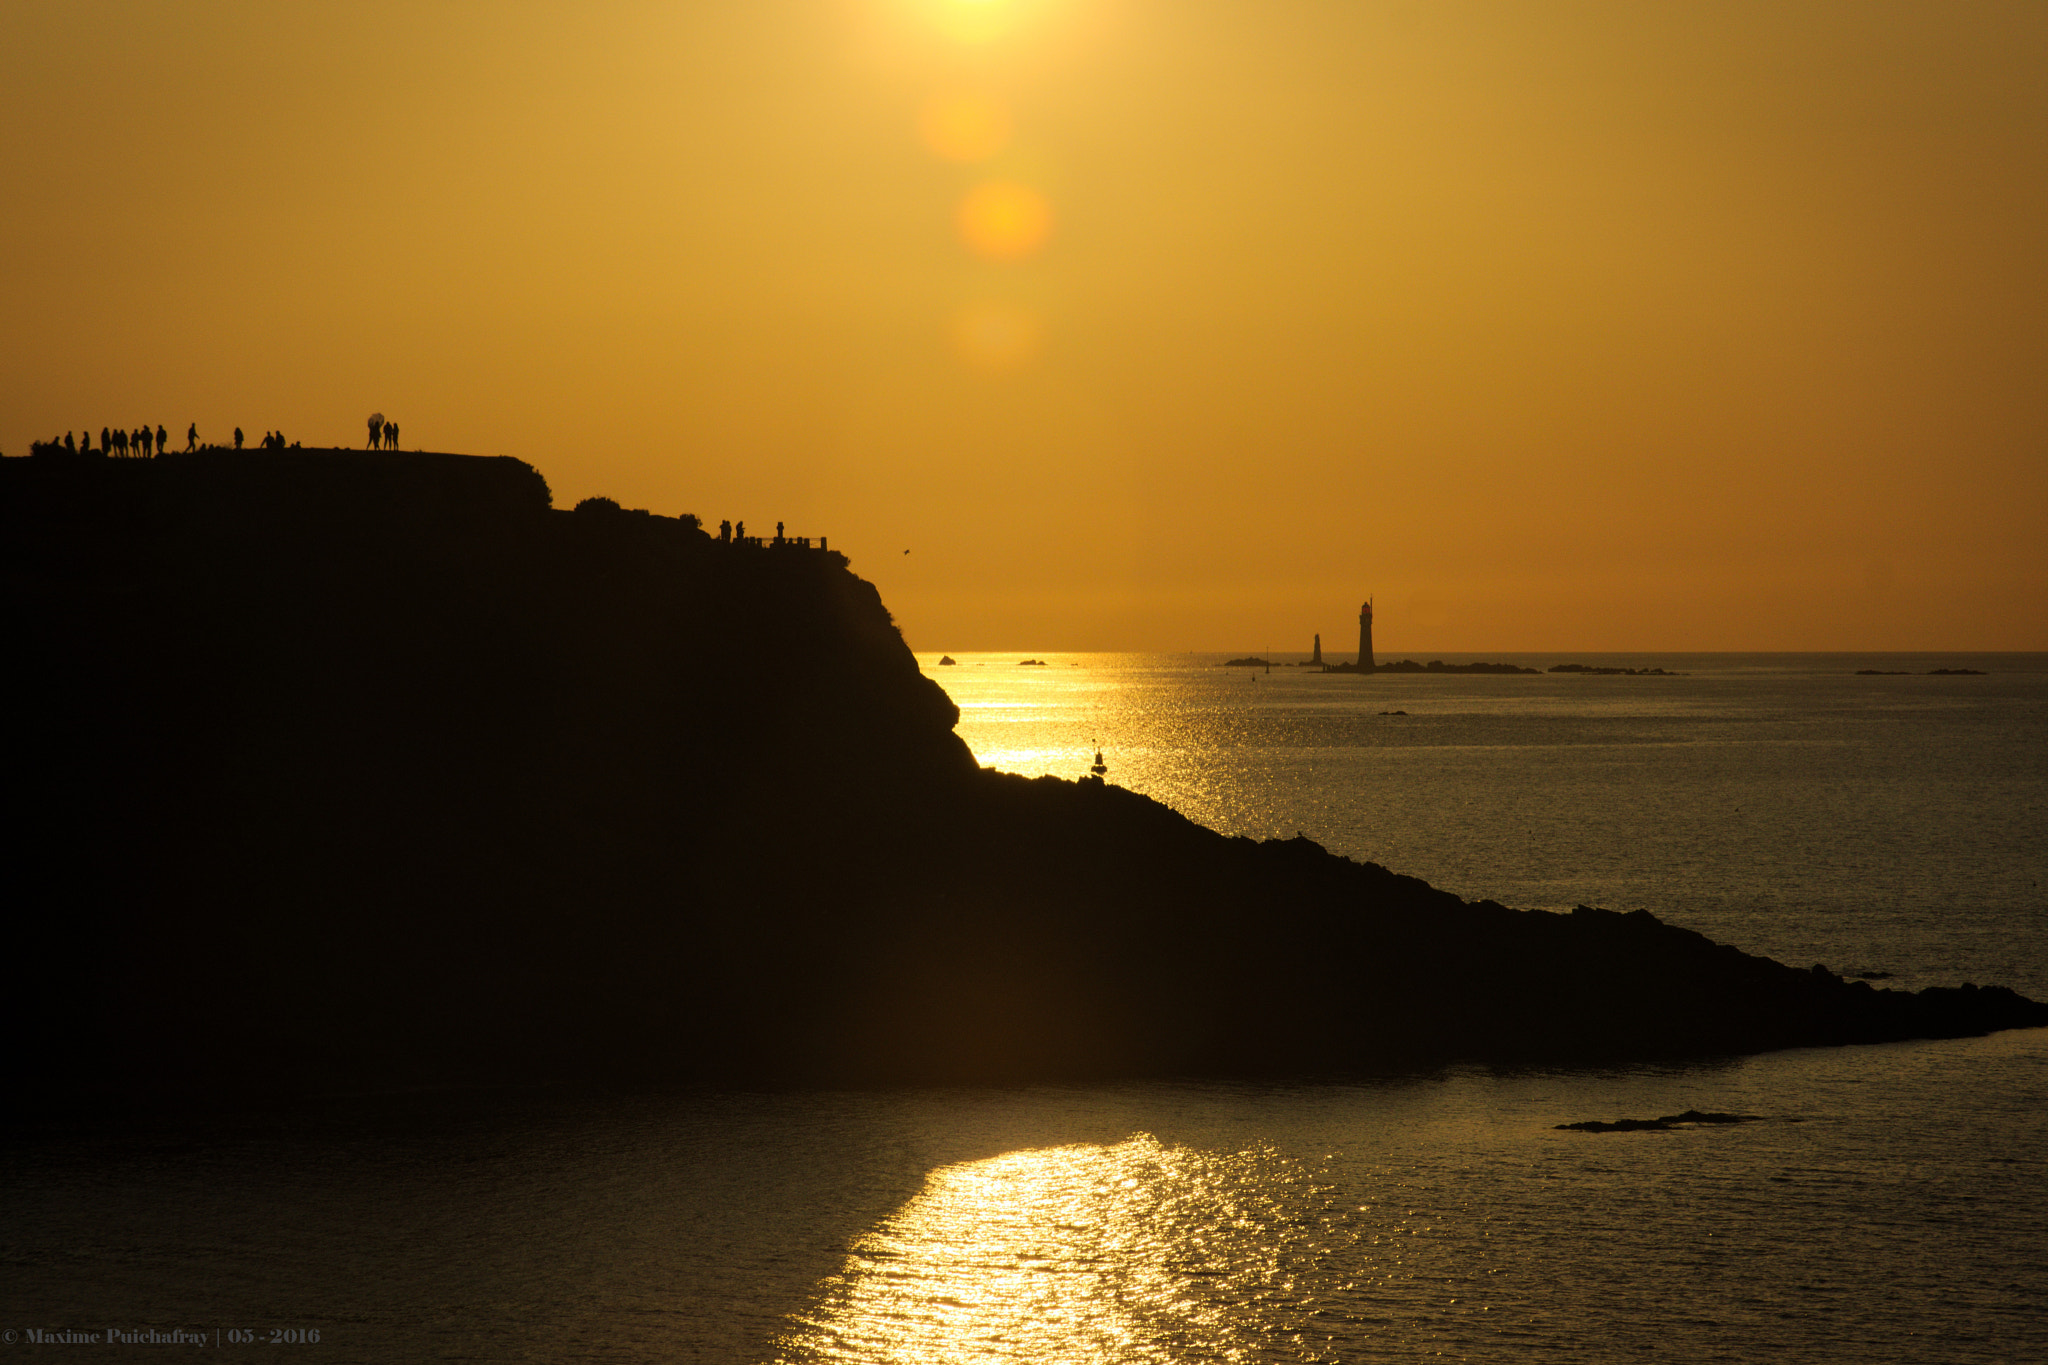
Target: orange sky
1142	324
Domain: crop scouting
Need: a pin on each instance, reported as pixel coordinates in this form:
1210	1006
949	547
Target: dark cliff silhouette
338	769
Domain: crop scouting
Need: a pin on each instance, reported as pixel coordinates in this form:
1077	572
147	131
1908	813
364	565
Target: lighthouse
1365	661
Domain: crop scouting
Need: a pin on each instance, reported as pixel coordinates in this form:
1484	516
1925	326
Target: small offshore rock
1690	1118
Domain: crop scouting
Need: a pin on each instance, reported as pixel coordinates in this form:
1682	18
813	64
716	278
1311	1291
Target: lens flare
962	127
995	336
1004	221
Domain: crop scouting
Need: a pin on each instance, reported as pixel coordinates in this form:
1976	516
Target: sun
976	21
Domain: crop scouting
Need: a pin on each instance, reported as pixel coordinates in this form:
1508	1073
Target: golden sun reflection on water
1136	1252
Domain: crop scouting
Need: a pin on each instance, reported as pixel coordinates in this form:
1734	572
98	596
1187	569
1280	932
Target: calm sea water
1778	802
1890	1204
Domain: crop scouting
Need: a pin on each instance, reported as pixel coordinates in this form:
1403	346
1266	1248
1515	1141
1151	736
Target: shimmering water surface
1779	802
1891	1203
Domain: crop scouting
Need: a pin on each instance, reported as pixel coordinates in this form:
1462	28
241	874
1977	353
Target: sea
1878	1203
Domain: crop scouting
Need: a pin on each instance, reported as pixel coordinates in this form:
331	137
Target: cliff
333	770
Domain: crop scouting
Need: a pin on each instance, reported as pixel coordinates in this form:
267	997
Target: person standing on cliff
192	437
163	438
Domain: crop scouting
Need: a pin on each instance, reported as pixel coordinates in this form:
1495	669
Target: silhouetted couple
273	440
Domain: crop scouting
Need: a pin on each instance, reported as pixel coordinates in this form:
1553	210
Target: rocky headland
343	770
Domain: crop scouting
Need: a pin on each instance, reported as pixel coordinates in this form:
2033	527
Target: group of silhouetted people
139	444
730	533
143	443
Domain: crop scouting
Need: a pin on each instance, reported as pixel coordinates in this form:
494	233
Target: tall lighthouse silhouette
1365	661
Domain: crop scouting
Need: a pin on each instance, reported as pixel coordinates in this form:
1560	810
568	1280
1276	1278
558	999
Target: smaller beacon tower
1365	659
1317	661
